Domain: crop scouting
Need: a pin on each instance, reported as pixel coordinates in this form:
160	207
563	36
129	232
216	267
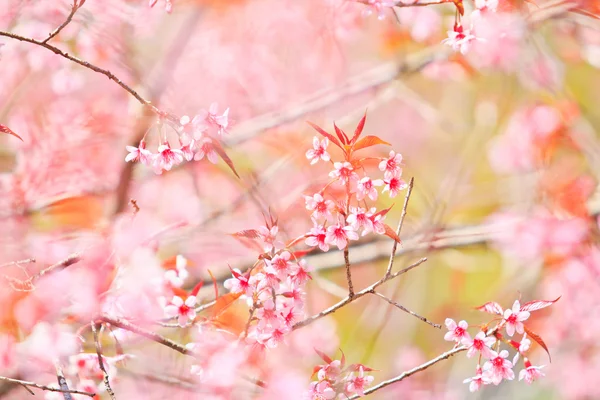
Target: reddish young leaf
538	340
490	307
5	129
247	238
324	356
343	360
359	128
340	133
197	288
369	141
224	302
329	136
389	231
221	152
383	212
247	233
538	304
215	282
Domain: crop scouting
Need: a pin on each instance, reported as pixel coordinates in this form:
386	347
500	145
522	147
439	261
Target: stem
27	384
74	9
388	271
106	380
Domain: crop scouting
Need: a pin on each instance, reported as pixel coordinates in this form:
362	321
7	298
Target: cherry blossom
368	187
498	368
476	382
321	391
301	272
7	353
317	236
394	185
339	234
281	263
514	319
319	151
392	166
459	39
167	157
457	332
139	153
359	382
344	172
269	237
188	150
207	149
359	218
220	121
183	310
320	207
330	371
480	343
239	283
530	373
176	277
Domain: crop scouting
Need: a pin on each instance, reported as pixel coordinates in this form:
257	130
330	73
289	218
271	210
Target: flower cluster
486	344
461	39
337	220
336	380
198	138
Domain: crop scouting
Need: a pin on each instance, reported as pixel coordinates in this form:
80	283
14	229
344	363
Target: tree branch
28	384
27	285
388	271
406	310
74	9
62	383
106	380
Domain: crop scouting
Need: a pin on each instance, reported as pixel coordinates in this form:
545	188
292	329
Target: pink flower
514	319
281	263
377	224
378	6
357	384
269	237
498	368
221	121
338	235
139	154
320	207
321	391
459	39
301	273
184	311
367	187
194	128
188	150
344	172
207	149
317	237
391	166
481	343
477	381
7	353
359	218
239	283
483	7
330	371
394	184
319	151
531	373
176	277
457	333
167	157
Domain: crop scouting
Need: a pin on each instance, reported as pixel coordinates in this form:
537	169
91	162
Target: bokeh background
502	143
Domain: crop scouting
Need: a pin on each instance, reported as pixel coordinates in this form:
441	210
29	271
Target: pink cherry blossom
356	384
391	166
368	187
207	149
317	237
480	343
359	218
193	128
476	382
167	157
301	272
220	121
139	154
378	7
394	185
269	237
184	311
339	234
457	332
319	151
321	391
344	172
238	284
514	319
281	262
498	368
330	371
320	207
531	373
188	150
459	39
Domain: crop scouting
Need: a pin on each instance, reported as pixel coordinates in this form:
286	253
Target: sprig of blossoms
497	366
336	380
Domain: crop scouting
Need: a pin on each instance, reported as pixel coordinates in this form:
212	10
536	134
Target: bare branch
106	379
388	271
74	9
27	285
406	310
348	273
18	263
28	384
62	383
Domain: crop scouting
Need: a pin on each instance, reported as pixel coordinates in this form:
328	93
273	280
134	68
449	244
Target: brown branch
74	9
27	284
85	64
128	326
106	380
18	263
388	271
62	383
406	310
28	384
348	273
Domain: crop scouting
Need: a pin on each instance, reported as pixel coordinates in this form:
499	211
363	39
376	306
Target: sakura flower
480	343
207	149
267	315
477	381
459	39
221	121
344	172
457	332
330	371
359	218
483	7
176	277
319	151
193	128
514	319
275	337
281	262
167	157
317	237
391	166
184	311
238	284
321	391
367	187
320	207
498	368
376	225
339	234
139	154
357	384
378	7
269	237
301	273
188	150
531	373
394	185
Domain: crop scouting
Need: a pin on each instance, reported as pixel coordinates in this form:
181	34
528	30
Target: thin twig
27	285
17	263
356	296
106	379
62	383
74	9
406	310
388	271
348	273
27	384
128	326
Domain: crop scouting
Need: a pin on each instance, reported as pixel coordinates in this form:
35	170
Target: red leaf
224	302
5	129
324	356
329	136
340	133
391	233
359	128
343	360
248	233
490	307
538	304
221	152
369	141
538	340
301	253
382	212
197	288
